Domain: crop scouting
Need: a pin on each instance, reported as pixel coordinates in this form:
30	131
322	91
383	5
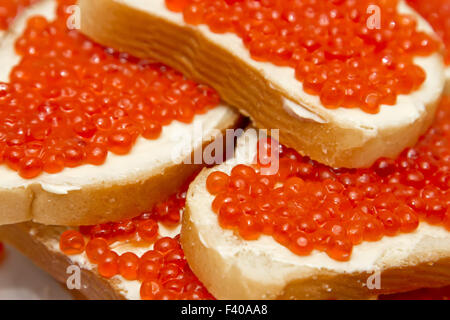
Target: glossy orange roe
421	294
70	101
9	9
163	271
437	13
71	242
336	52
308	206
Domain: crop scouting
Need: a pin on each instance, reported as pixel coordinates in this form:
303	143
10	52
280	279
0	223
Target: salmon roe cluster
307	206
335	46
162	270
9	9
70	101
437	13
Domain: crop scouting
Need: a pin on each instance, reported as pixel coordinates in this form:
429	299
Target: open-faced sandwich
346	82
89	135
347	196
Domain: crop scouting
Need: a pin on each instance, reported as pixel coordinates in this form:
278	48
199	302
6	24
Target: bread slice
232	268
270	95
123	184
41	244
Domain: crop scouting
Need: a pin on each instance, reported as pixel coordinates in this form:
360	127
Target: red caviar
9	9
437	13
307	206
70	101
108	264
148	230
162	269
96	248
148	270
337	52
72	242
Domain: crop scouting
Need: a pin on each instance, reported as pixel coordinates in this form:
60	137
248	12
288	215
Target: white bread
270	95
123	184
232	268
40	244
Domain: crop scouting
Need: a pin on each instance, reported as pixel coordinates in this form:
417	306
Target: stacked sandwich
338	189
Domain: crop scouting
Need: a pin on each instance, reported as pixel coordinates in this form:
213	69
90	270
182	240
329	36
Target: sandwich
114	186
309	231
105	182
77	150
331	85
134	259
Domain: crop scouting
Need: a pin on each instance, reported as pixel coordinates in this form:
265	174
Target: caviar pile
70	101
162	271
9	9
437	13
336	52
307	206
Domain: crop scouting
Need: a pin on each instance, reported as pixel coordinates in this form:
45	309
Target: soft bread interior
273	98
93	194
232	268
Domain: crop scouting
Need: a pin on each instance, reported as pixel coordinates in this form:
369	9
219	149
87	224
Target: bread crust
427	266
115	24
34	240
101	203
